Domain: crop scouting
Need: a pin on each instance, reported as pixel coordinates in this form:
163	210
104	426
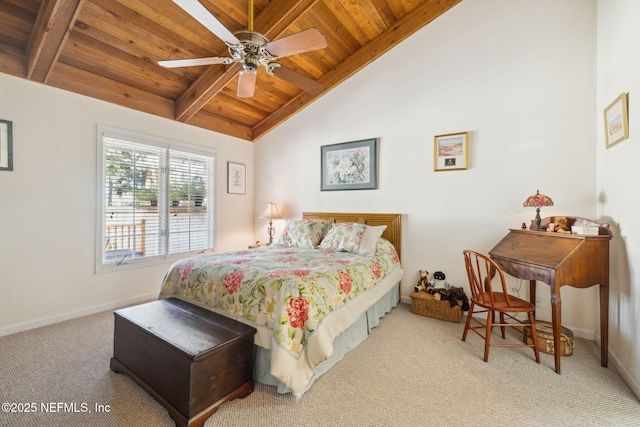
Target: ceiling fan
252	50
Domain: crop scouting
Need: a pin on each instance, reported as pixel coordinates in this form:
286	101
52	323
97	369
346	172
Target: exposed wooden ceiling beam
203	89
53	25
402	29
272	21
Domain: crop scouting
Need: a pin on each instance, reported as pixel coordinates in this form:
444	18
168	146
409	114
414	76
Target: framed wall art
236	178
349	166
451	152
616	121
6	145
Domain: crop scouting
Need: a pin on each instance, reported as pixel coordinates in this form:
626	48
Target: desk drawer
525	272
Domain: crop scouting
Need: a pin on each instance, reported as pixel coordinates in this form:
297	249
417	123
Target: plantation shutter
133	199
190	216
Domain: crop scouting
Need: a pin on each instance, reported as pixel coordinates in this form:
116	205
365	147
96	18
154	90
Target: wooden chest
189	359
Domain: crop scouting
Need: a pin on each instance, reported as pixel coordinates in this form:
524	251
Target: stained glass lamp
537	201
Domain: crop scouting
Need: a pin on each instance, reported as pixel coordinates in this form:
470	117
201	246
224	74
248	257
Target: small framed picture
349	166
616	121
236	178
6	145
451	152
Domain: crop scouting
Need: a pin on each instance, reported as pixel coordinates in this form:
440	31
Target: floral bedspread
284	290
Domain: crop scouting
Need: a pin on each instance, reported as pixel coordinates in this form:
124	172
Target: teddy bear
561	225
438	293
459	294
423	282
438	280
453	295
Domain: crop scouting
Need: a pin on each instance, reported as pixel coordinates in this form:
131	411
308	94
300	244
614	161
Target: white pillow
370	238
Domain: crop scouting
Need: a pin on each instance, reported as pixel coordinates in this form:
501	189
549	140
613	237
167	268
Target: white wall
48	203
618	177
520	76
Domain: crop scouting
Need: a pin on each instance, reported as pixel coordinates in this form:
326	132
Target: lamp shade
271	212
538	200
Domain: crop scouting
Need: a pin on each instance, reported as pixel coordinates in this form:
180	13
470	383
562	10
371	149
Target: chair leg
493	320
502	328
487	338
468	322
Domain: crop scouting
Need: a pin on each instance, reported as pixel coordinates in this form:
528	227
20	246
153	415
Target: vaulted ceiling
108	50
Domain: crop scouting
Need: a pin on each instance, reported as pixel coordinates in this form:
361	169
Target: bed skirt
345	342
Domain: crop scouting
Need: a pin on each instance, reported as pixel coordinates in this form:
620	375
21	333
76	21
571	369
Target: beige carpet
411	371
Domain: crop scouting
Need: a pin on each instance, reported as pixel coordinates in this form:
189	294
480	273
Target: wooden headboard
393	233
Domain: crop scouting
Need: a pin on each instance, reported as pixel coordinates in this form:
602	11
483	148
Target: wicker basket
544	331
423	303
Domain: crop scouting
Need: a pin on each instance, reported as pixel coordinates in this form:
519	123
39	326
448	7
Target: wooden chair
481	271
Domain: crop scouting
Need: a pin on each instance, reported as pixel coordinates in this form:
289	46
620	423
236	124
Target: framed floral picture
616	121
451	152
349	166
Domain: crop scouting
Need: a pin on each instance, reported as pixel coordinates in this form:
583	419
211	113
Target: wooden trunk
189	359
544	331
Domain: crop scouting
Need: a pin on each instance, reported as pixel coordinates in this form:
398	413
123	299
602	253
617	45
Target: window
155	199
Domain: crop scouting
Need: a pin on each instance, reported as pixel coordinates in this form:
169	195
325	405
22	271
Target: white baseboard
20	327
632	382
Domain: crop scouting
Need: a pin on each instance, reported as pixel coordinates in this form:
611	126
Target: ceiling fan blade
194	62
304	41
297	79
246	84
203	16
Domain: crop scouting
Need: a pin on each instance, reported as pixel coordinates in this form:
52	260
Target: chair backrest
482	271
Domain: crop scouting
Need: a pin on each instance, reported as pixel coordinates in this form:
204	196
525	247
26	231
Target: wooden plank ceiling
108	50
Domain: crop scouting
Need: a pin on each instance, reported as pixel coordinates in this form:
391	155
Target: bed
313	295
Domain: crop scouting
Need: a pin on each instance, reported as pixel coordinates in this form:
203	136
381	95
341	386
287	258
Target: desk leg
604	324
556	321
532	295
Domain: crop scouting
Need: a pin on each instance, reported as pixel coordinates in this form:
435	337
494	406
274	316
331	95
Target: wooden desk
558	260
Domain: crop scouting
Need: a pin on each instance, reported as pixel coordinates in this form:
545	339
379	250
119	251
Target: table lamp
537	201
271	212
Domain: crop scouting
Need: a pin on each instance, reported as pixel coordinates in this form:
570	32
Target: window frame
107	132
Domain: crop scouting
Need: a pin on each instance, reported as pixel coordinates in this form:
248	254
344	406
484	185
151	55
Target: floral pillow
302	233
344	237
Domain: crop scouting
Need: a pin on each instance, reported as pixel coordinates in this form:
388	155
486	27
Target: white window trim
110	132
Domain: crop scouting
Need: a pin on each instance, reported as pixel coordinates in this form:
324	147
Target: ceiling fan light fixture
246	83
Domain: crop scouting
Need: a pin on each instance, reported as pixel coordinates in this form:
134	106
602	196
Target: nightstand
257	245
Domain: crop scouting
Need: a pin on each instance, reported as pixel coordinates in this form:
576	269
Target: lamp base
537	220
270	231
